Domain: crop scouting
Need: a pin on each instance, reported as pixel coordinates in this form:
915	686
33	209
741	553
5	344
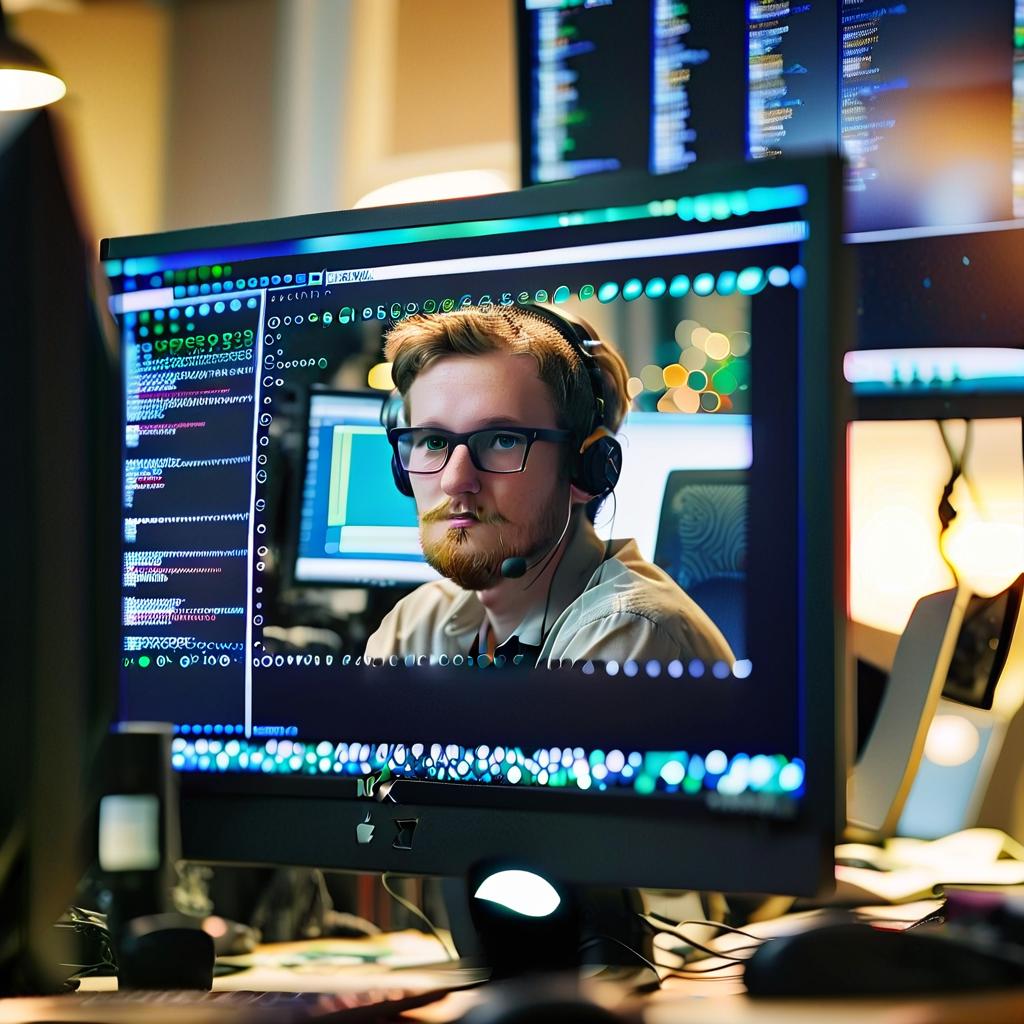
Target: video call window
264	540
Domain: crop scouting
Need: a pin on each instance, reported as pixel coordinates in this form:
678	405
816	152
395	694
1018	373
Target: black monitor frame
288	820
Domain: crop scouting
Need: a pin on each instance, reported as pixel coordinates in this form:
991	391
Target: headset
598	462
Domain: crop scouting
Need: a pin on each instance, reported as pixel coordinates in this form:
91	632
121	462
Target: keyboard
225	1007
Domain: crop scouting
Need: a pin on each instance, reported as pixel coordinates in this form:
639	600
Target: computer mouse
860	960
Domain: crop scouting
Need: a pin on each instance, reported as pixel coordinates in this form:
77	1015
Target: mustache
444	511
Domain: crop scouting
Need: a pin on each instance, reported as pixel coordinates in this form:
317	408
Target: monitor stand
594	931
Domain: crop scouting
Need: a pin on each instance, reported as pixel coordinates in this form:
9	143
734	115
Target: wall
115	58
212	111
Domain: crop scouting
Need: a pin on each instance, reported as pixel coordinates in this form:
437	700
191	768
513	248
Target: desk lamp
25	79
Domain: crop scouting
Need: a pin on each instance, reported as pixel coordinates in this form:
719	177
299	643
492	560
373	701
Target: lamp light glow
25	80
988	556
952	741
23	89
427	187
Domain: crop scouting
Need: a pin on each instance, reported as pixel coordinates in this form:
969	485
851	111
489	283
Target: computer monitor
724	295
922	99
60	626
354	526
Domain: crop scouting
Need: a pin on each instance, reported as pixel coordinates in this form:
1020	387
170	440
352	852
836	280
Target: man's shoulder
628	583
427	621
630	595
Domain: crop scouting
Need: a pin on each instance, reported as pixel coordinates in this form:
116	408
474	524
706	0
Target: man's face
472	520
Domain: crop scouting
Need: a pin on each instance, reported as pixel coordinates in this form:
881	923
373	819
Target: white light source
952	741
988	556
427	187
25	80
520	891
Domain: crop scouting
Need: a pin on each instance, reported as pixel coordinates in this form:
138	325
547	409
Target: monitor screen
570	669
355	526
923	100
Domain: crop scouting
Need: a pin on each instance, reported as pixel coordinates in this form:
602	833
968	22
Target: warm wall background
186	112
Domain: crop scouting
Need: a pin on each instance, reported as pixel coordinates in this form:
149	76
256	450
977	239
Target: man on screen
512	411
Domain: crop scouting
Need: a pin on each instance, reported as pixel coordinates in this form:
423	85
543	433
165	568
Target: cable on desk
721	954
625	945
693	972
705	924
417	912
680	972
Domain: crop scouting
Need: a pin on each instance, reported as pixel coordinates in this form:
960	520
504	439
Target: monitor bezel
225	817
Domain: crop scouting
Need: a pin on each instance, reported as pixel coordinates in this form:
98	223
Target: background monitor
724	296
354	526
923	104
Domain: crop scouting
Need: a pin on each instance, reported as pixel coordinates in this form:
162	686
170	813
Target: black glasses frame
532	434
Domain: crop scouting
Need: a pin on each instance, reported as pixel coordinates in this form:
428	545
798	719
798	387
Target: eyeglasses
496	450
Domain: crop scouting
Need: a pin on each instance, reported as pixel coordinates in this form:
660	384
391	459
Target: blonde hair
420	340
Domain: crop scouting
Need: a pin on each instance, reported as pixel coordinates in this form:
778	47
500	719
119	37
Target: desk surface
715	999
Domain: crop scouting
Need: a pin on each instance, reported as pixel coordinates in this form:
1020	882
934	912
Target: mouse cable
692	972
416	911
626	946
724	954
692	943
703	923
681	972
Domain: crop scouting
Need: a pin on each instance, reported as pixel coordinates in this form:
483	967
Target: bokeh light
739	343
726	283
684	330
704	284
724	381
674	375
679	287
633	289
750	280
651	375
694	359
716	345
379	378
686	400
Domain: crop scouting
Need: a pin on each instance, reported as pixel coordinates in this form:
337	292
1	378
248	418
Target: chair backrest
702	544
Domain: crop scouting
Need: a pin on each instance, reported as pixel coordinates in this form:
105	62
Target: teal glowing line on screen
717	206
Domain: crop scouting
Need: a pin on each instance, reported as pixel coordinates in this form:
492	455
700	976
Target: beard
475	564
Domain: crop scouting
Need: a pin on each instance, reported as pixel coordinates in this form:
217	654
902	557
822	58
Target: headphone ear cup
599	466
400	476
391	416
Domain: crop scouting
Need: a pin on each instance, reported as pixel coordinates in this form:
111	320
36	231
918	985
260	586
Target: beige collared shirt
613	608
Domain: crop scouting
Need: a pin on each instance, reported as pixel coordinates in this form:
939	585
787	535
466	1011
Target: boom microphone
513	568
